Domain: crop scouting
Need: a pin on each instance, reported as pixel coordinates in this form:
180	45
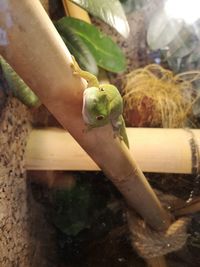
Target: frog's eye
100	117
101	89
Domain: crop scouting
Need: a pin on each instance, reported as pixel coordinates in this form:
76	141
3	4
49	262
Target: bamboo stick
188	208
155	150
75	11
79	13
37	53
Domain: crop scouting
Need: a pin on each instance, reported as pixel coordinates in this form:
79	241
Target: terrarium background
28	236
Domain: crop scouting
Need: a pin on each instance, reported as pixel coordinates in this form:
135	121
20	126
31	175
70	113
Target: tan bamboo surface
75	11
35	50
155	150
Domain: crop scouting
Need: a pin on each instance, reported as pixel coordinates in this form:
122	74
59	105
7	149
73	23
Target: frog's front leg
116	125
75	67
89	77
119	129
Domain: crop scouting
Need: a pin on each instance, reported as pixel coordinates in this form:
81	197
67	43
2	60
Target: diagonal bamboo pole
77	12
34	49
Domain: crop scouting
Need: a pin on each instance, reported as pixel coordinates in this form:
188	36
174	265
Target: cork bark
23	240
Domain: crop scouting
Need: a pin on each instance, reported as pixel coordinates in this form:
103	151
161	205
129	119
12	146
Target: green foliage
18	86
71	209
110	12
77	208
78	49
106	53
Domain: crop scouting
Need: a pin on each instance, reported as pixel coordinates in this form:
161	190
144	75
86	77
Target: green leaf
78	49
19	88
162	30
72	208
110	12
107	54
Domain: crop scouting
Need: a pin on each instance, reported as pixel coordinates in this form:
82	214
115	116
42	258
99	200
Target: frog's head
95	107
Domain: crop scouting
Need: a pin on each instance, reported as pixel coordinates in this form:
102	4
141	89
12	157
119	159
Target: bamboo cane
75	11
36	51
79	13
164	151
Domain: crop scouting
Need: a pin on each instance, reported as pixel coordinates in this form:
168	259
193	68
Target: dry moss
155	97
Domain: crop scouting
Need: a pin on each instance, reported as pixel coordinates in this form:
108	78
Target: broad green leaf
107	54
110	12
162	30
78	49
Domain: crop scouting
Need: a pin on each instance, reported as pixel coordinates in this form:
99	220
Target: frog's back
115	99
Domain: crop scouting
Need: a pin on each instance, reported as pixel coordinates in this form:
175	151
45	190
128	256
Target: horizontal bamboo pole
155	150
35	50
